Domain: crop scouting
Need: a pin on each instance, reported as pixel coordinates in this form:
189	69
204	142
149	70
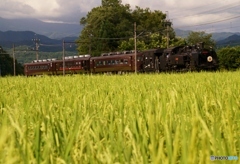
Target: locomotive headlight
209	58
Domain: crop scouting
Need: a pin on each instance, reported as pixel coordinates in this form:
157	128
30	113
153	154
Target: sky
198	15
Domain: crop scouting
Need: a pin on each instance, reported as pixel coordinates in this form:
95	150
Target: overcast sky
208	15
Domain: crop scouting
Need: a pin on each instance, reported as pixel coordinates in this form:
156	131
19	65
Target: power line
193	8
215	29
50	45
208	11
213	22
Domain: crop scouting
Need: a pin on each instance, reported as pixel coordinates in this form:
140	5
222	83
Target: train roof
67	58
115	56
118	53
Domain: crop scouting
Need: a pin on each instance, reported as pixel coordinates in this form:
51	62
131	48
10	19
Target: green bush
229	58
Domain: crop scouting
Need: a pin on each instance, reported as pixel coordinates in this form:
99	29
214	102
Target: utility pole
14	64
36	41
63	57
135	45
168	24
167	36
90	43
90	46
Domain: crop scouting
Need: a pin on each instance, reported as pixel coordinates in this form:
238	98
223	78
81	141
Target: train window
69	64
41	67
104	62
139	58
121	62
99	63
117	61
125	61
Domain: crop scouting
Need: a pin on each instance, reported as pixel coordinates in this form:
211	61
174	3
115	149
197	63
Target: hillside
20	38
25	38
51	30
232	40
218	36
222	35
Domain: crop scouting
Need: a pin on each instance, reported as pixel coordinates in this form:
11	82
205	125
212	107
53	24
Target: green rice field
115	119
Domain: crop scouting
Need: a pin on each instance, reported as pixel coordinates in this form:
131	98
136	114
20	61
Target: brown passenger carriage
73	65
116	63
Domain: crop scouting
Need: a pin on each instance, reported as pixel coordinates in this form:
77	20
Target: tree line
7	64
110	27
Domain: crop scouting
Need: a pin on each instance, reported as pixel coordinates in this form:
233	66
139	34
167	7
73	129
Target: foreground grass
163	118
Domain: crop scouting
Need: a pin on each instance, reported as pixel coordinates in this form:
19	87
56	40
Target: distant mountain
51	30
232	40
216	36
20	38
223	35
181	33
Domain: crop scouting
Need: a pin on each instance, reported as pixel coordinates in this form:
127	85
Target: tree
111	20
109	26
6	64
229	58
197	37
110	2
152	24
129	45
153	42
162	43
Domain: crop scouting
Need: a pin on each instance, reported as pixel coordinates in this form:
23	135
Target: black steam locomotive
180	58
188	58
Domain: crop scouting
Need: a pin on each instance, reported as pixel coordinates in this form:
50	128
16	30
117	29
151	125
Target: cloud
12	9
181	13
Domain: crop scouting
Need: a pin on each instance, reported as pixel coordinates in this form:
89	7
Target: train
178	58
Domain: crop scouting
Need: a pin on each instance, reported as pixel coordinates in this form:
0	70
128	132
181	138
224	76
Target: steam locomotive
179	58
